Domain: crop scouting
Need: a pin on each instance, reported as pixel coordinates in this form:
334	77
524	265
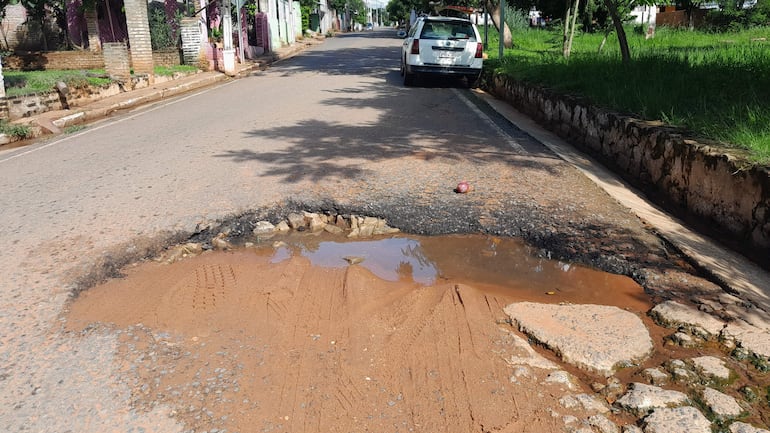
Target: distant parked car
401	34
442	46
369	26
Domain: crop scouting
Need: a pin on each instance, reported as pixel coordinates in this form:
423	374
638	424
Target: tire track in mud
295	348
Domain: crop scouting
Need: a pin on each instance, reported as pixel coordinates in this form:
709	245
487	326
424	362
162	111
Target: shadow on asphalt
427	123
430	121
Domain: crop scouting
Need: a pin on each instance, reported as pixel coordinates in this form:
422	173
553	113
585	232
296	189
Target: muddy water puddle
308	332
503	266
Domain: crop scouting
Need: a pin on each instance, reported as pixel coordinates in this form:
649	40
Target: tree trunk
565	36
569	27
494	11
622	40
604	40
574	24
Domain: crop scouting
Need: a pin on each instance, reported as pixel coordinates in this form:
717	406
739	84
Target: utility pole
228	53
2	81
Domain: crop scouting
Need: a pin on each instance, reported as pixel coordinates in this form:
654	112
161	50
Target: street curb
96	113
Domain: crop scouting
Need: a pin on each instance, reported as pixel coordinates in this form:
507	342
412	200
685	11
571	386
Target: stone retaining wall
698	180
29	105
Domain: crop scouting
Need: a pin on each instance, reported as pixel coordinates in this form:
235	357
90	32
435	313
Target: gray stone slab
585	402
673	314
751	338
712	367
642	398
597	338
685	419
722	405
742	427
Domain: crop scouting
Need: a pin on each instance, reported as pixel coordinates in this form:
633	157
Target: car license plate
445	55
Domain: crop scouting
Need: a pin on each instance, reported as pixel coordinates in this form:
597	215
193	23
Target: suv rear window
447	30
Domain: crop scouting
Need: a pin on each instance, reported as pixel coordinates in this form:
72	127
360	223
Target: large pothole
320	330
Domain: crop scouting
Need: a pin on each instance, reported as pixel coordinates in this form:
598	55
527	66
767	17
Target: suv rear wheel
409	78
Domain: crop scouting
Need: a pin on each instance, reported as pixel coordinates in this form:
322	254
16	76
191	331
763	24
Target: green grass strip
717	85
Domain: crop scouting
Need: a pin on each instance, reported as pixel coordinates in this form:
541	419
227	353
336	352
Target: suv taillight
415	47
479	50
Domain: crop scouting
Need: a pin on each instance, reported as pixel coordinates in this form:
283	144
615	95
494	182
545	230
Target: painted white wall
644	14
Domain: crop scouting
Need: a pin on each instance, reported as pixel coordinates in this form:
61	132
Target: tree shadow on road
437	122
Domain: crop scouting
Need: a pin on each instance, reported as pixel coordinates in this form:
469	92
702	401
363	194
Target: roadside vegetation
14	130
20	83
715	83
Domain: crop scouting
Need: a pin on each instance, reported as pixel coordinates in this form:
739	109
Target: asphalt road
332	128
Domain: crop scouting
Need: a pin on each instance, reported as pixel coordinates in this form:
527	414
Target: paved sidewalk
54	122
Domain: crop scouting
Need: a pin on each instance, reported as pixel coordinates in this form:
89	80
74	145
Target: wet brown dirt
289	336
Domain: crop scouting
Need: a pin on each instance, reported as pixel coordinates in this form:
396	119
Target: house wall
296	14
700	181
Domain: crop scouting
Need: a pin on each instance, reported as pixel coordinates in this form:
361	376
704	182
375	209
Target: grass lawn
717	85
26	82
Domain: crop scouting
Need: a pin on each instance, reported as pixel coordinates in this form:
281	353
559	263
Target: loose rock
712	367
296	221
742	427
753	339
722	405
561	377
673	314
333	229
262	228
677	420
656	376
584	401
314	221
642	398
604	425
684	340
597	338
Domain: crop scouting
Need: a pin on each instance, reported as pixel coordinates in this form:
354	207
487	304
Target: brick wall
76	60
139	37
191	40
36	61
679	18
168	57
28	105
116	61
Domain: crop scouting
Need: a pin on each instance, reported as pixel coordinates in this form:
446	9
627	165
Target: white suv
442	46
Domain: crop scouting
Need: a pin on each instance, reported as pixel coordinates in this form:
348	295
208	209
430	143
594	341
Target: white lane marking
122	119
510	141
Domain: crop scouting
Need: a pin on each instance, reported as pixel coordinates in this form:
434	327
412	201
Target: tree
618	11
690	6
570	21
37	11
617	21
494	11
399	9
